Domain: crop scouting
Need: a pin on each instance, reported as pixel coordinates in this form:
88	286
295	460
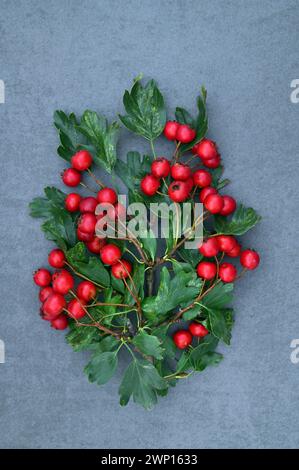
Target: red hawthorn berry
84	237
206	149
62	282
194	149
205	192
53	306
86	291
209	247
44	293
81	160
206	270
202	178
178	191
182	339
60	323
198	330
226	243
227	272
149	185
170	130
117	212
249	259
160	168
72	202
96	244
185	134
235	252
107	195
229	205
87	223
180	172
88	204
42	277
211	162
56	258
189	183
71	177
122	269
75	309
213	203
110	254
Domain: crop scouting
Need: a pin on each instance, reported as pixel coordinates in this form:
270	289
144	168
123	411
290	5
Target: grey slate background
78	54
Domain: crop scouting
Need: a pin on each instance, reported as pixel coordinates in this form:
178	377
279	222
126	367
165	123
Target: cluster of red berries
183	338
54	287
81	161
228	245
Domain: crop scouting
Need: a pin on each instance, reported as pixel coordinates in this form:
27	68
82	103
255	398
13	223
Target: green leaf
184	117
70	137
142	381
91	267
192	257
133	170
102	136
200	124
45	206
218	325
148	344
146	115
80	337
60	228
181	289
167	344
137	286
243	220
101	367
192	313
204	354
149	245
219	296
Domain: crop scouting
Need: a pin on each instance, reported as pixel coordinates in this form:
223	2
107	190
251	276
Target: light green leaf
219	296
243	220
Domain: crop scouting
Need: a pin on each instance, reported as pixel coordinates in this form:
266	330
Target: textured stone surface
74	55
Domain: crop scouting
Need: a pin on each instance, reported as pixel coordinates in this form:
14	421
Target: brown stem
99	183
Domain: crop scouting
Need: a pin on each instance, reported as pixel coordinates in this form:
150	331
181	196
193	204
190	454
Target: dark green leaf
102	136
142	381
218	325
133	170
137	285
60	228
70	137
45	206
148	344
192	313
190	256
243	220
200	124
146	115
204	354
184	117
92	267
81	337
101	367
167	344
219	296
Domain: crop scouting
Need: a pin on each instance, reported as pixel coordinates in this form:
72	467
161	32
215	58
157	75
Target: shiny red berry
107	195
185	134
75	309
84	237
209	247
60	323
81	160
45	292
226	243
227	272
88	204
42	277
110	254
202	178
212	162
122	269
53	306
178	191
213	203
71	177
229	205
72	202
235	252
180	172
62	281
198	330
87	223
86	291
182	339
249	259
160	168
205	192
170	130
96	244
149	185
206	270
56	258
206	149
